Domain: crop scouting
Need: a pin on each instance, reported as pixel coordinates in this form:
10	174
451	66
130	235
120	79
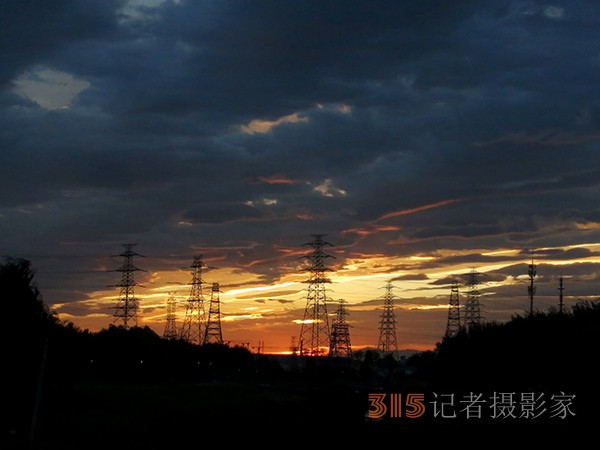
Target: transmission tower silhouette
472	305
294	346
127	305
192	329
170	331
314	331
387	326
340	334
453	324
560	295
532	272
213	332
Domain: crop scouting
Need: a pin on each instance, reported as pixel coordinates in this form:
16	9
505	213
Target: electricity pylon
340	334
213	332
192	329
170	331
472	305
453	324
314	331
532	272
387	326
126	311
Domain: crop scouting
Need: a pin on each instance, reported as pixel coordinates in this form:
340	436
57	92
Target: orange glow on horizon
254	308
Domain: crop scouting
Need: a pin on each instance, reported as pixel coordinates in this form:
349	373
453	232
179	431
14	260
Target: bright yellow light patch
300	322
272	287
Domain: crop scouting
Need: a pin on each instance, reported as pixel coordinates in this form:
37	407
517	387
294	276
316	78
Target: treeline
546	354
39	352
549	350
35	335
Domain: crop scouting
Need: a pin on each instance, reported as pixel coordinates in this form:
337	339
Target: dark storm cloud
580	281
579	270
31	31
221	212
267	58
410	277
465	126
446	281
557	254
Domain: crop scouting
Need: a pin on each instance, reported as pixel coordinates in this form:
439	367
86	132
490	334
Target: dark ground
320	401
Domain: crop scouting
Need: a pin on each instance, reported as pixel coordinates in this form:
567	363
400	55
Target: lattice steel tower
340	334
532	272
472	305
453	324
127	305
387	326
560	295
170	331
314	332
213	332
192	329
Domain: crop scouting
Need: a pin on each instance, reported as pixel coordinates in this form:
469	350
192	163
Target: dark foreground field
303	409
65	388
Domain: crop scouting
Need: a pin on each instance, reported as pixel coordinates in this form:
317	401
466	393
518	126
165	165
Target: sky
425	138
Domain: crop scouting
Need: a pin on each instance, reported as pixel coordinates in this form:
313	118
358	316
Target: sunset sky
425	138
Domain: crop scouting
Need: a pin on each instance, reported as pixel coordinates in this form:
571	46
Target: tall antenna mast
314	332
127	305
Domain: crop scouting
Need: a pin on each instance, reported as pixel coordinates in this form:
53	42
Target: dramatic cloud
426	138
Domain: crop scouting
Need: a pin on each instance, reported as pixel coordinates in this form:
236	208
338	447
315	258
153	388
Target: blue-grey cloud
456	126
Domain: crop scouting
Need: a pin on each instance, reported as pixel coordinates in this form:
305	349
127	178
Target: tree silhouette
23	340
